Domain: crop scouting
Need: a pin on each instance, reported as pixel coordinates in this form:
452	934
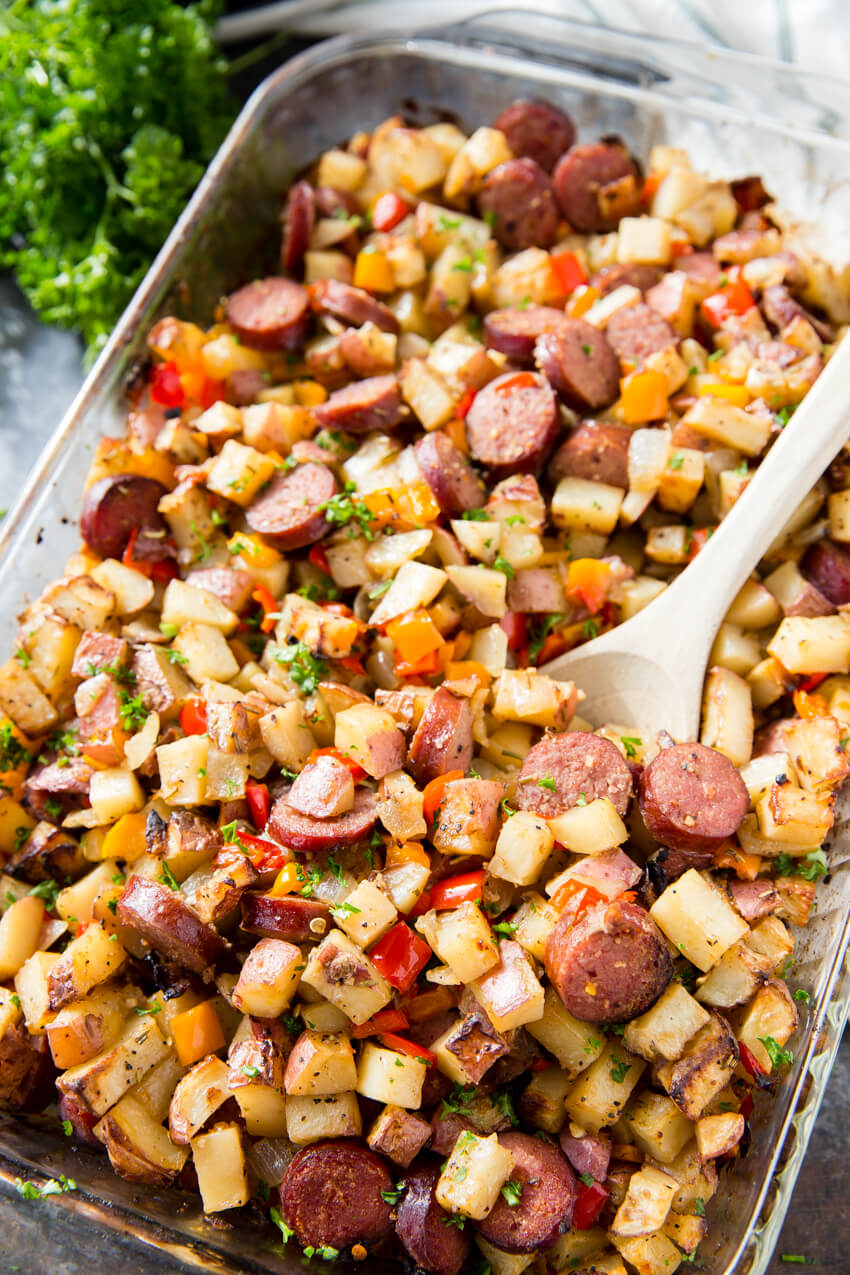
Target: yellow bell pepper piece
310	393
125	839
738	395
252	550
197	1032
644	397
581	301
458	670
415	635
373	271
287	880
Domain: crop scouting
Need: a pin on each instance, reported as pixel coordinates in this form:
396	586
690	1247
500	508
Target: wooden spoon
649	671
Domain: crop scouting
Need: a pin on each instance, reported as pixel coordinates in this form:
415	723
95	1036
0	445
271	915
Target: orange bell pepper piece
407	852
745	866
457	670
644	397
373	271
287	880
435	791
567	272
738	395
270	605
587	582
429	664
415	636
581	301
456	430
807	704
197	1032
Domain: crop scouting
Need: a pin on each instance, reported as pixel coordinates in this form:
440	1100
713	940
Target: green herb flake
67	1128
778	1056
581	800
631	743
512	1193
346	508
167	877
286	1231
619	1069
305	668
475	515
699	1206
587	1179
12	751
802	995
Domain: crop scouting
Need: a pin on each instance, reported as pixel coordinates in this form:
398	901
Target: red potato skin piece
283	916
162	918
536	129
595	450
372	404
454	483
512	428
115	507
323	789
299	217
590	1154
230	585
548	1195
269	314
577	763
96	649
514	332
287	511
579	364
636	332
692	797
622	273
82	1120
312	836
754	899
351	305
443	739
422	1225
579	180
827	565
518	198
26	1071
610	965
331	1195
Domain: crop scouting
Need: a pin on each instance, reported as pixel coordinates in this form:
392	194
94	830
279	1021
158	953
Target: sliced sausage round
637	331
351	305
453	482
362	406
537	129
269	314
518	200
626	273
422	1225
578	764
514	332
115	507
513	424
827	565
331	1195
580	364
284	916
288	512
597	184
595	450
299	217
548	1192
164	919
692	797
311	836
610	965
443	738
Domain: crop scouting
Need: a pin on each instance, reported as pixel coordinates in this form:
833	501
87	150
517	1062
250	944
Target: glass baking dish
735	114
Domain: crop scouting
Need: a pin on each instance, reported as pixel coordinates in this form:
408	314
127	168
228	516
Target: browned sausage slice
443	738
537	129
454	483
423	1226
595	450
299	216
637	331
622	273
548	1192
269	314
311	836
118	505
577	763
283	916
288	512
513	423
331	1195
514	332
692	797
610	965
351	305
597	184
164	919
363	406
580	364
827	565
518	201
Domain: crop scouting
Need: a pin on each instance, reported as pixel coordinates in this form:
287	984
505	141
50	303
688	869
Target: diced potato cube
681	480
51	649
648	1201
81	601
23	700
736	650
735	978
462	939
416	585
286	735
367	914
524	695
665	1029
219	1160
339	971
698	919
816	644
535	920
186	603
427	394
644	239
590	829
525	843
102	1080
32	987
510	992
771	1015
400	806
239	472
369	736
483	151
263	1110
678	189
500	1262
542	1101
312	1119
658	1126
707	1064
730	426
483	587
578	504
197	1096
687	1230
321	630
113	793
275	426
20	928
600	1094
320	1063
720	1134
342	170
795	819
814	745
473	1175
649	1254
268	978
387	1076
575	1044
182	769
728	715
208	657
755	607
91	958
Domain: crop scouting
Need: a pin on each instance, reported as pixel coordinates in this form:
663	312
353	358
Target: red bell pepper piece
465	888
193	717
466	401
435	790
318	558
733	298
270	605
514	624
698	540
574	898
259	803
386	1020
747	1106
402	1046
809	684
164	570
590	1203
401	956
422	904
752	1065
520	381
266	856
388	210
357	772
353	663
166	387
568	271
540	1064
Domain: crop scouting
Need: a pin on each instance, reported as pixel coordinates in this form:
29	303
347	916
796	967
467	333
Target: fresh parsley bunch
109	111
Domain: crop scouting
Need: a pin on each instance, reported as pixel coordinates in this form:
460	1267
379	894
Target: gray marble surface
40	371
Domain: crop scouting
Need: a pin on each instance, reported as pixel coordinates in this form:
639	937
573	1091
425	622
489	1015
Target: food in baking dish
319	898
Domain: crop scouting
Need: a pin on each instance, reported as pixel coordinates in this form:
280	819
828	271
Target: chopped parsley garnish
619	1069
715	355
12	751
286	1231
586	1178
547	782
504	1102
581	800
23	658
631	743
378	590
393	1195
502	564
250	1071
454	1219
47	891
778	1056
448	223
591	629
168	630
592	1043
802	995
587	349
491	217
540	630
811	866
506	927
345	909
506	807
344	509
67	1128
465	265
676	461
167	877
475	515
151	1009
176	657
305	668
32	1190
458	1101
699	1206
512	1193
132	711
